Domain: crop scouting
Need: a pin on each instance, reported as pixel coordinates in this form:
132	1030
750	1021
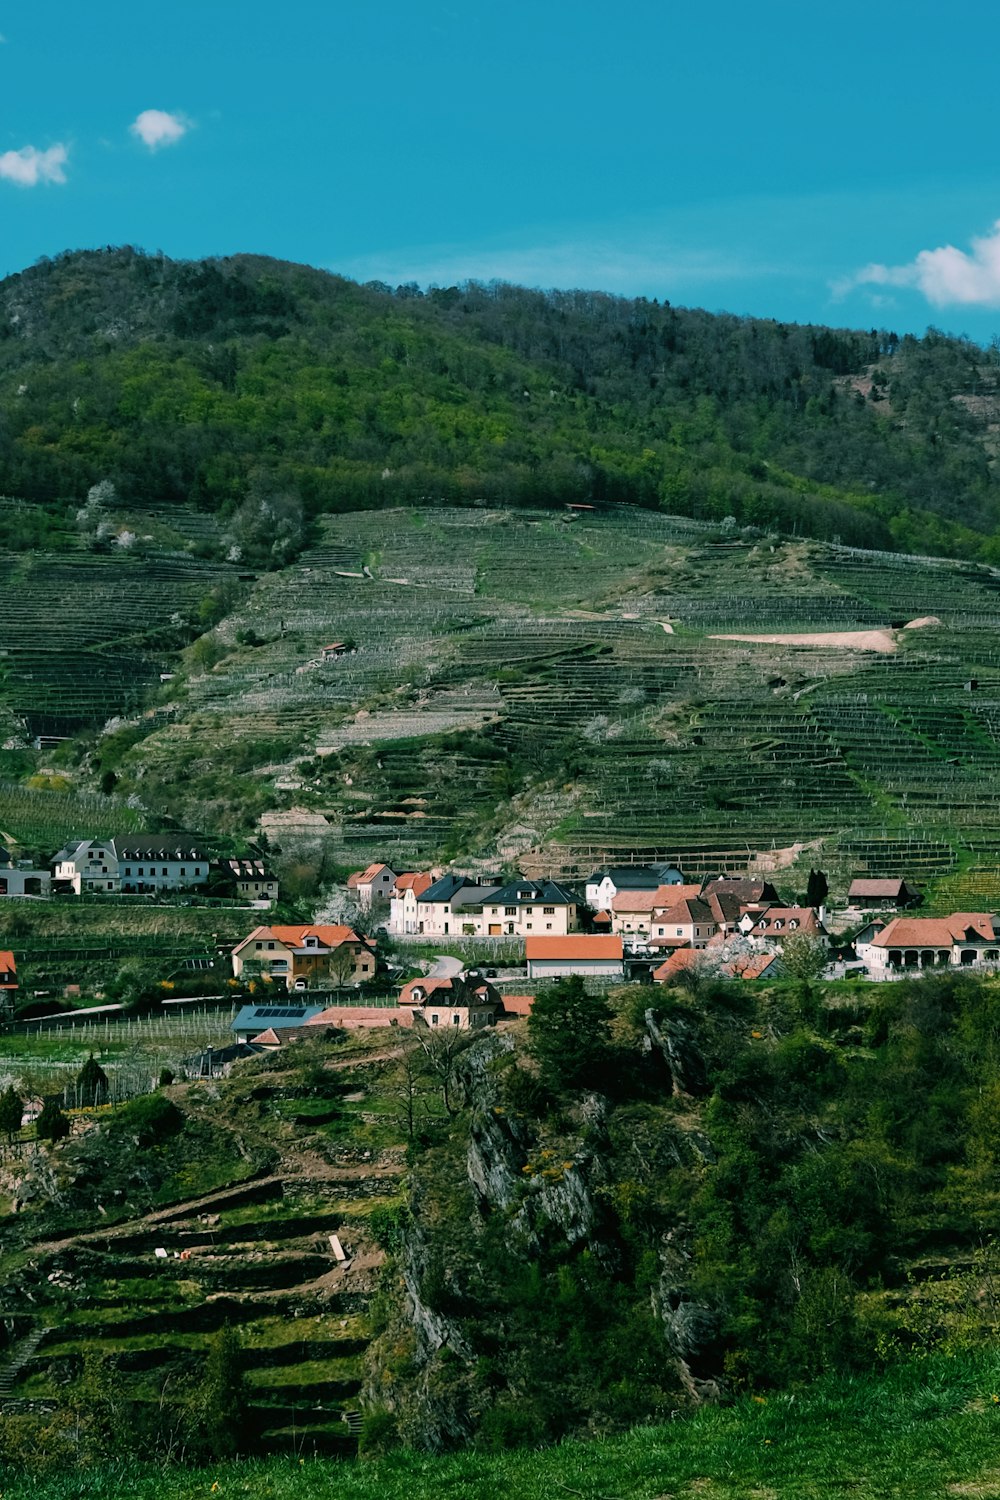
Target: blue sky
820	163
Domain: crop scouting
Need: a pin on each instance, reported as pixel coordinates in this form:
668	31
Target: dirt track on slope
847	640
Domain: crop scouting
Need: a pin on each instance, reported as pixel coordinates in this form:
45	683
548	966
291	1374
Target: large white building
135	862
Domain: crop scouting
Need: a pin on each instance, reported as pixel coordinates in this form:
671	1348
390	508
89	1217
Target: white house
404	902
373	884
610	881
966	939
134	862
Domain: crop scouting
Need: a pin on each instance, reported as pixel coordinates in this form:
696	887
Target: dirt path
846	640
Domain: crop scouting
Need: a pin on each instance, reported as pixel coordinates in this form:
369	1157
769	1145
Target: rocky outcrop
691	1328
673	1041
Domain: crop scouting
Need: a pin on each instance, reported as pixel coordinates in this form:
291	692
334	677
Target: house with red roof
588	954
404	901
880	895
8	975
967	939
466	1001
373	884
688	924
633	911
771	923
304	956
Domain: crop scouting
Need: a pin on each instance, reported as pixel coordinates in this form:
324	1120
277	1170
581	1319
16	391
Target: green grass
926	1429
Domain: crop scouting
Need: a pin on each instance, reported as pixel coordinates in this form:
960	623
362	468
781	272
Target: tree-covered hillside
214	380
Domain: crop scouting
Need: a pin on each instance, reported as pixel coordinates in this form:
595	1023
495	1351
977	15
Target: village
408	946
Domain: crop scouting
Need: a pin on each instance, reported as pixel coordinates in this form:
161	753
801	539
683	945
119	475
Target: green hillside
214	381
549	688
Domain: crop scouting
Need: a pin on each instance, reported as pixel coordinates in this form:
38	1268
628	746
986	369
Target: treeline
191	382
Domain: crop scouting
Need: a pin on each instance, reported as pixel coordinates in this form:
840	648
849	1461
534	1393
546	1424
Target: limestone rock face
691	1328
674	1042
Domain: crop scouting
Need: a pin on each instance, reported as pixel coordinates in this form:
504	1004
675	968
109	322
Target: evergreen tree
92	1082
569	1035
11	1111
52	1125
817	889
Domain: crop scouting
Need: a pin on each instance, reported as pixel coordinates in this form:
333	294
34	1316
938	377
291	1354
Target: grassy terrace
924	1430
244	1200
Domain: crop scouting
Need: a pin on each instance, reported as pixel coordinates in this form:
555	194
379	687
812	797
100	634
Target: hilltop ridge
195	381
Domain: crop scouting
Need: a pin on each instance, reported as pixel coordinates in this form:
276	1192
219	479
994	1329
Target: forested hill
208	381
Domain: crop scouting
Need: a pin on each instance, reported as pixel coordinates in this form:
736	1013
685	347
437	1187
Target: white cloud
29	166
156	128
946	276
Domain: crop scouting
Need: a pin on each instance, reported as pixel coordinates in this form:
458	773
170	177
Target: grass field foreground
927	1428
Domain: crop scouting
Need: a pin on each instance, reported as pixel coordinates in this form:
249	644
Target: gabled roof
743	966
446	888
632	877
5	855
457	991
766	918
937	932
691	910
746	887
519	892
417	881
294	937
669	896
577	946
876	888
8	971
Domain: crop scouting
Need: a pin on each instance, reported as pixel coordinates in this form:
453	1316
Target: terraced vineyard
248	1246
553	687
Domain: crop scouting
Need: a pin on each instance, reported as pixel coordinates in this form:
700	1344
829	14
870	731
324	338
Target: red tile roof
935	932
578	946
7	967
765	918
417	882
518	1005
294	937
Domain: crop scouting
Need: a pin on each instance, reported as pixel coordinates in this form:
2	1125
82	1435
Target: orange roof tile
417	882
934	932
294	937
578	946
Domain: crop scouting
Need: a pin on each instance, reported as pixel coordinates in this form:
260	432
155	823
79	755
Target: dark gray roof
447	887
633	877
520	892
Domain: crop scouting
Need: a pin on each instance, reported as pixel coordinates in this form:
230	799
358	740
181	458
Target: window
680	932
456	1020
529	925
197	870
183	871
510	911
364	968
258	946
270	945
127	870
530	910
548	927
434	1019
548	911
